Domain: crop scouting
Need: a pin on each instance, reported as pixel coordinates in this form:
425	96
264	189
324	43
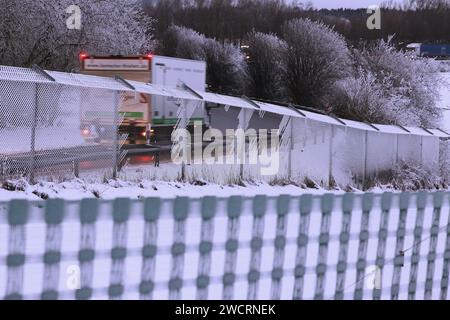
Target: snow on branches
389	86
35	31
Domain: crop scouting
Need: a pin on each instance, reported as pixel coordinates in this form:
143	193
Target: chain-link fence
56	124
352	246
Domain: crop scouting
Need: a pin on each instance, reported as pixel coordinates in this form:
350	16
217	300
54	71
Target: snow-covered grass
143	181
78	189
410	177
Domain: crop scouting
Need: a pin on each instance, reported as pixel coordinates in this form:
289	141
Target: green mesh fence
352	246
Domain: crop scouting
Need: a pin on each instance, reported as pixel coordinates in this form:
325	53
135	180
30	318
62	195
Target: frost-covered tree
183	43
35	31
427	4
266	66
389	87
226	68
363	98
226	65
316	58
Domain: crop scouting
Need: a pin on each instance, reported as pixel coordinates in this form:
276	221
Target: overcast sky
333	4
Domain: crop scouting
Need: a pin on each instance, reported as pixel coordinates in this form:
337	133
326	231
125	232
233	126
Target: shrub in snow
364	98
227	68
35	31
316	58
408	176
184	43
15	185
266	66
404	88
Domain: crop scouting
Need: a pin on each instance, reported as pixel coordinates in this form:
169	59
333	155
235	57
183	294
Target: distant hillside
233	22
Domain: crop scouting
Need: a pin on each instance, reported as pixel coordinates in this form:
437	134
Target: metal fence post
76	168
421	151
33	134
185	149
366	142
396	148
291	147
244	117
241	149
116	134
330	167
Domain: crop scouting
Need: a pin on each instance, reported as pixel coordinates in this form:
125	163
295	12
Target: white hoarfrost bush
227	68
266	66
316	58
364	98
405	87
413	176
408	176
184	43
36	32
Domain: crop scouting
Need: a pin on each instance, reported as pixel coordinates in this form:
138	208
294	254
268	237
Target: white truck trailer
173	72
142	112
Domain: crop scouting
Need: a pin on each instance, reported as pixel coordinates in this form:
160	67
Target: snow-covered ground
78	189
